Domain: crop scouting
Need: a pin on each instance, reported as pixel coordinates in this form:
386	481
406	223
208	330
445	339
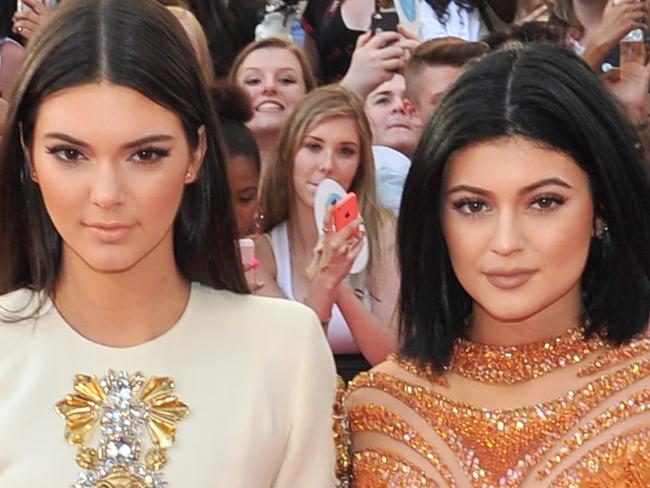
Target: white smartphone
247	252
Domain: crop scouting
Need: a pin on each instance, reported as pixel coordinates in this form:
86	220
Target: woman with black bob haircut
524	247
126	325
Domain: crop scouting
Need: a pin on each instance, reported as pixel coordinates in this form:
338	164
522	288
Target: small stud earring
34	175
600	228
188	176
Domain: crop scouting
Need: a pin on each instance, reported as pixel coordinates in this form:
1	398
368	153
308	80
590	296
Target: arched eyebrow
527	189
129	145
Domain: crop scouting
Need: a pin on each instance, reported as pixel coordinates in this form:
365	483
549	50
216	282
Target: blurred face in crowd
392	117
273	79
330	149
243	181
431	84
112	166
518	220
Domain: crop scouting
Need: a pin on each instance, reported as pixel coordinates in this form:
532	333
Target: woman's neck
553	321
589	13
123	308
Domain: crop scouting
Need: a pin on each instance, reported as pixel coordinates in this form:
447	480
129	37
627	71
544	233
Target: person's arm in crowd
28	22
266	272
618	19
376	58
375	331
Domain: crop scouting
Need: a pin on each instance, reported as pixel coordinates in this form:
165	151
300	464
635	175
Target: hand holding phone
345	210
383	21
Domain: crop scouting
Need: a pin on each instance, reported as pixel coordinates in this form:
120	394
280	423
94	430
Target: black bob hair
548	95
140	45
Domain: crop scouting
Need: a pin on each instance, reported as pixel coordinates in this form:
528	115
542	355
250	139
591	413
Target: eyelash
70	154
463	205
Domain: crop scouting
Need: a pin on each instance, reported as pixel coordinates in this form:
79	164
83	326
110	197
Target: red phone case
345	210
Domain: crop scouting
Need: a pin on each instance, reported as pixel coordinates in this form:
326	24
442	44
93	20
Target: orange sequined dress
567	412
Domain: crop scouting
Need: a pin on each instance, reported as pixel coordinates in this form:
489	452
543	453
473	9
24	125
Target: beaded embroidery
124	406
502	447
620	462
375	468
342	440
376	418
512	364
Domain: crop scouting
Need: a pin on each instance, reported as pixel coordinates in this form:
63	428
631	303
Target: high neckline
513	364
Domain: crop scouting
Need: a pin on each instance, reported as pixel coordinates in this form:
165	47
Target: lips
109	233
509	279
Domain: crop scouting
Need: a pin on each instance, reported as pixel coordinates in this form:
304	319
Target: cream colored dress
565	413
238	393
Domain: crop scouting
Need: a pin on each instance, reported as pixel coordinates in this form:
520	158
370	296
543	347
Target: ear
197	156
600	228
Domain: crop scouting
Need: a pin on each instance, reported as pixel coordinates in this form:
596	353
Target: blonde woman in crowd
328	136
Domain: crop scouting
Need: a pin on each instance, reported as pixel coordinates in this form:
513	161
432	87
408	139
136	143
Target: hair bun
231	102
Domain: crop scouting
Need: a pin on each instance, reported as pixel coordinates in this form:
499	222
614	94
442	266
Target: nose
508	238
107	187
399	105
326	162
269	85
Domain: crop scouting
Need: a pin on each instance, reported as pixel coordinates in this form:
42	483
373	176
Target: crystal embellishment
124	407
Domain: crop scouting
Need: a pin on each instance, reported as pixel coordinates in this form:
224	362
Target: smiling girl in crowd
276	76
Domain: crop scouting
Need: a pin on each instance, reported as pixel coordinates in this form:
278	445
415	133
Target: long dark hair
119	42
545	94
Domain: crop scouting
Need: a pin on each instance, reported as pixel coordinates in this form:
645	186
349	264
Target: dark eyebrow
128	145
526	189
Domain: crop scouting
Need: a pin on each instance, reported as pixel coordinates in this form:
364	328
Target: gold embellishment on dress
375	469
501	447
342	439
376	418
638	403
124	405
616	355
620	462
512	364
425	371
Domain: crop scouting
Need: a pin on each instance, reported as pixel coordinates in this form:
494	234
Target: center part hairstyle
322	104
137	44
549	96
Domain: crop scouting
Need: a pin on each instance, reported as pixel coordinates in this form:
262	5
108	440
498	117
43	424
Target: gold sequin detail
638	403
424	371
379	469
376	418
342	439
124	406
614	356
501	447
512	364
621	462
